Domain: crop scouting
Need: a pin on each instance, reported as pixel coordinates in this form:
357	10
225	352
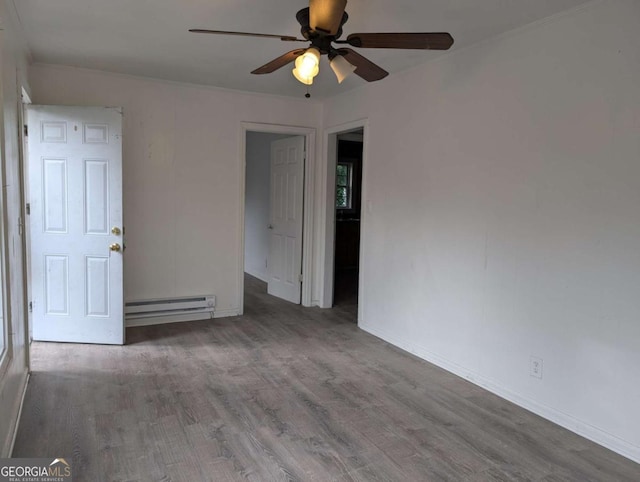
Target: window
344	186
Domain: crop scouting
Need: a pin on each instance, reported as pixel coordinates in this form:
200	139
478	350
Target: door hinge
28	209
30	306
26	130
300	277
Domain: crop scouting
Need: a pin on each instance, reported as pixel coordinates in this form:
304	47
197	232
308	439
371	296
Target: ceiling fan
322	25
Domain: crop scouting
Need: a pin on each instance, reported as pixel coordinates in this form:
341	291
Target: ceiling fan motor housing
319	39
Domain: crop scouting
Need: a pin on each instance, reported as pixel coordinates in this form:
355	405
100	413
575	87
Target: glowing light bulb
307	66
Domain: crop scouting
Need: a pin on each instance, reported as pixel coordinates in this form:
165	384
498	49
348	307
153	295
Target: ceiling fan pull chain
307	95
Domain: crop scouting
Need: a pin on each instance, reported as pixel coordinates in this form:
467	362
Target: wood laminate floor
283	393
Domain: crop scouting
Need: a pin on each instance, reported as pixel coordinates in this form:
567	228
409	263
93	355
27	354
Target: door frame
309	133
326	237
24	100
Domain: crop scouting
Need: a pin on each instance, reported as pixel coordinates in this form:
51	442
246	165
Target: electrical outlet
535	366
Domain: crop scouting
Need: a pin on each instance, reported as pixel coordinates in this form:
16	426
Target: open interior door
75	186
284	266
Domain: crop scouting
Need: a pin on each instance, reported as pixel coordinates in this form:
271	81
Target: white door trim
309	182
23	101
326	236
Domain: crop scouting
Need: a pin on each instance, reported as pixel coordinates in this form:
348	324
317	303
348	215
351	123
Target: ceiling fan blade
364	67
286	38
421	41
326	15
281	61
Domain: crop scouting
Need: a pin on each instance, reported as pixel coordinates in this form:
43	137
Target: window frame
348	186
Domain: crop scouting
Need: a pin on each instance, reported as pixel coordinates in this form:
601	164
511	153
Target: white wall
503	184
13	374
181	173
257	203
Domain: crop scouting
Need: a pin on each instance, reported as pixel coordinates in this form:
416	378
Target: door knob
116	230
114	247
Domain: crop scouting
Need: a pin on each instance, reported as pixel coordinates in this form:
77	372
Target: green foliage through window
343	185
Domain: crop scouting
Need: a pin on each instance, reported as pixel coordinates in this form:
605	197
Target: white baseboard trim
584	429
14	433
262	276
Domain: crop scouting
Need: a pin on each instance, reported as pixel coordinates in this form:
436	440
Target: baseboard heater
169	310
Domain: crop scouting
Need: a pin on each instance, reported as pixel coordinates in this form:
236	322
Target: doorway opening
348	209
345	214
277	218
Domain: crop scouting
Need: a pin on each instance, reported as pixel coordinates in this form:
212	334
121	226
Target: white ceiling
150	37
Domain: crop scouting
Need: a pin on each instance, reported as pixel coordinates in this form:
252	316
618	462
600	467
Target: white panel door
284	265
75	185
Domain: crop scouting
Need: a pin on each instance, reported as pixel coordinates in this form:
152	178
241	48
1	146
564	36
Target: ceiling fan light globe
308	62
341	67
306	80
